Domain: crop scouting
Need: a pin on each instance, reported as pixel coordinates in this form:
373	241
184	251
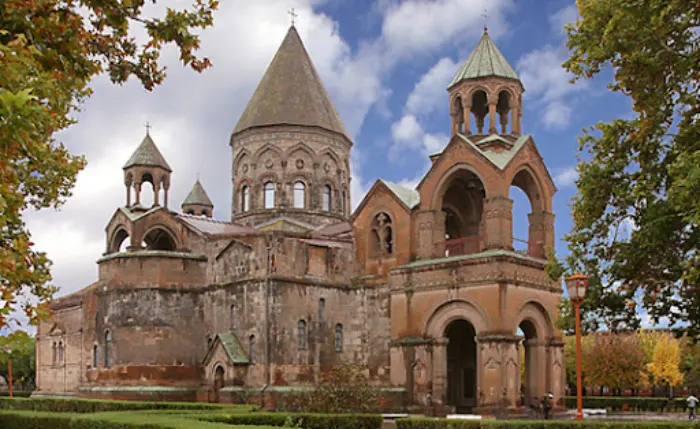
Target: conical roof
147	154
198	196
291	93
485	60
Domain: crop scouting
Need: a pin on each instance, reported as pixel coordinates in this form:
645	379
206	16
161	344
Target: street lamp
8	350
576	286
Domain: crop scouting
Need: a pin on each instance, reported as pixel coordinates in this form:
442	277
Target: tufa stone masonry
425	287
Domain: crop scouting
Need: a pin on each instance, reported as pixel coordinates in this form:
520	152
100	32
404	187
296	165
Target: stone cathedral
426	288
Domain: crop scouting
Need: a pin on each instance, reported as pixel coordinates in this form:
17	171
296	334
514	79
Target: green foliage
94	406
48	55
427	423
615	361
632	403
570	357
690	364
308	420
636	216
23	359
343	389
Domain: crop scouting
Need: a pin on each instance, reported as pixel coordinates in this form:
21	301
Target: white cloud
563	16
566	176
429	93
557	114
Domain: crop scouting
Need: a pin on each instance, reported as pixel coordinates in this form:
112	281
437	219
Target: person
692	403
546	405
535	406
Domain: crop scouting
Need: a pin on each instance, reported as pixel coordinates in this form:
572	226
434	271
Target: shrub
17	394
633	403
94	405
414	423
343	389
308	420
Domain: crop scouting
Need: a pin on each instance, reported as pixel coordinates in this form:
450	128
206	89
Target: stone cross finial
292	15
485	15
148	128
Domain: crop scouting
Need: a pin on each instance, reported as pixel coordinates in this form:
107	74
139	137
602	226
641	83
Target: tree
23	359
636	216
615	361
570	358
690	363
343	389
49	52
665	365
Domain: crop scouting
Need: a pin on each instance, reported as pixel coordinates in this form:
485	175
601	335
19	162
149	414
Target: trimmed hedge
414	423
45	420
631	403
308	420
17	394
94	405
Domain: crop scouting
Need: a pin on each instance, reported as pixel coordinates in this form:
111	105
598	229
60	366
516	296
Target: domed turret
197	202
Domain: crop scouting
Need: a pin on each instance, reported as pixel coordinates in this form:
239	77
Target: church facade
426	288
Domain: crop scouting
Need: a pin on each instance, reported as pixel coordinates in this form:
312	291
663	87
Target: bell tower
147	164
486	88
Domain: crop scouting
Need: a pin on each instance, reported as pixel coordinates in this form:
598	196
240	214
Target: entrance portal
218	382
461	366
528	358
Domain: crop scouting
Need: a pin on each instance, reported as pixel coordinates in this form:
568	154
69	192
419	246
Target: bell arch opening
479	109
159	239
463	206
461	365
119	242
148	199
527	215
503	109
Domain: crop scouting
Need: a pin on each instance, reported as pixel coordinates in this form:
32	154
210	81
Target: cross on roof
293	15
148	128
485	15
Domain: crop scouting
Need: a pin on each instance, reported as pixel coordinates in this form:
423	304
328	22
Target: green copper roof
409	197
197	196
233	348
485	60
147	154
499	159
485	254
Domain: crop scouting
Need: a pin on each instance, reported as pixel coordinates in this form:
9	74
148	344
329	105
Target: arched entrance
463	206
218	382
528	370
461	365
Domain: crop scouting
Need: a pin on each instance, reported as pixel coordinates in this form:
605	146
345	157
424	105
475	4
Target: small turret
147	164
197	202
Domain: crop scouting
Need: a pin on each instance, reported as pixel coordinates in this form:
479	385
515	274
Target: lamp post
9	370
576	286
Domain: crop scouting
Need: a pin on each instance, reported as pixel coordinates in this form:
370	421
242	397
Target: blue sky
385	64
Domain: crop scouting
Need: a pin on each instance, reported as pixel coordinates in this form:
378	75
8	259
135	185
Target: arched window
209	341
299	195
95	360
233	318
251	348
301	335
269	195
321	309
108	349
245	198
327	198
54	359
338	338
382	237
60	353
343	203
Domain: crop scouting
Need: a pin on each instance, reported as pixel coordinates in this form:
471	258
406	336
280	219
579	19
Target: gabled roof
197	196
210	226
410	197
231	345
147	154
498	159
284	223
485	60
291	93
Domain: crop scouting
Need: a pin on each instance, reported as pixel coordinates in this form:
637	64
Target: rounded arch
161	237
448	312
382	238
120	234
536	318
525	178
509	90
446	180
473	90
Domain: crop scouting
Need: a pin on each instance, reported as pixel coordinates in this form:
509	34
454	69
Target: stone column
156	194
540	234
498	223
467	119
166	186
492	117
556	374
430	226
440	371
514	122
128	194
137	188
